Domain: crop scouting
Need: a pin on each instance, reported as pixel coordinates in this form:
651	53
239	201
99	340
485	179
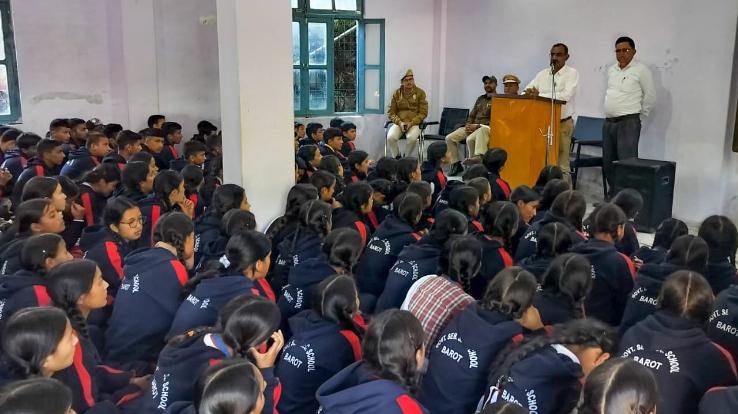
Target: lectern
519	124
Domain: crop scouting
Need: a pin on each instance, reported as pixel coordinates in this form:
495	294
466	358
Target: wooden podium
519	124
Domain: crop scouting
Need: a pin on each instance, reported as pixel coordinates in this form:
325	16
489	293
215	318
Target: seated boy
88	157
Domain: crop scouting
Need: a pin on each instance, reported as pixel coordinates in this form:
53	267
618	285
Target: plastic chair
587	132
451	120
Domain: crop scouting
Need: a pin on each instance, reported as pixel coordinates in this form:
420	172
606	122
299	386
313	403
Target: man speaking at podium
565	80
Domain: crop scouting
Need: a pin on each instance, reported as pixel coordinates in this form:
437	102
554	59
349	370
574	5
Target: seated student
84	159
234	221
305	242
193	180
172	133
436	299
208	227
129	143
36	396
339	254
465	200
156	121
432	167
7	140
146	158
46	187
385	167
332	165
420	259
548	173
381	207
619	385
325	339
300	170
356	202
495	160
673	345
686	253
204	130
96	187
553	240
388	373
548	195
565	285
631	202
667	231
326	184
77	287
59	131
335	122
568	209
499	221
153	143
168	195
110	130
15	161
721	325
481	184
408	171
314	134
26	288
244	325
49	157
36	216
195	153
78	133
311	156
300	132
137	181
425	192
348	130
720	400
481	331
527	201
332	143
235	385
150	291
215	149
545	373
358	167
286	224
722	238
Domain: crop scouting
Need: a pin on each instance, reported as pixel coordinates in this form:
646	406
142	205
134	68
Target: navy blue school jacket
347	146
474	226
152	208
350	176
207	230
318	350
629	243
500	188
381	253
211	250
528	244
343	217
79	162
93	203
117	159
202	306
293	250
10	255
643	300
494	258
519	233
458	363
682	358
34	168
358	390
536	265
22	289
720	400
166	155
434	175
440	203
651	254
554	309
722	326
415	261
544	382
15	162
144	309
106	249
721	275
613	275
303	279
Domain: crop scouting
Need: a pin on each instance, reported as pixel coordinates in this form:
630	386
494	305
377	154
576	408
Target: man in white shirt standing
629	99
562	85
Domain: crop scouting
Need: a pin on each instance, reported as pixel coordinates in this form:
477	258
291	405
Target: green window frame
10	110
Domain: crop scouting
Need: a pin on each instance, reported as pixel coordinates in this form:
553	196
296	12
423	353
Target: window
337	58
9	95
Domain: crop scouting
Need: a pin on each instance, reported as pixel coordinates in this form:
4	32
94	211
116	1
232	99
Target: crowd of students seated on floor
134	281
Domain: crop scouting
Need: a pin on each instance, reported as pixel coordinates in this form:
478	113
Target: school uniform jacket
458	363
720	400
150	292
207	230
343	217
722	326
434	175
317	351
629	243
440	203
347	146
682	358
106	249
22	289
474	226
93	203
651	254
166	155
294	249
536	265
613	275
152	208
554	309
116	159
494	258
15	162
79	162
301	284
358	390
721	275
34	168
10	255
529	243
500	188
519	233
643	300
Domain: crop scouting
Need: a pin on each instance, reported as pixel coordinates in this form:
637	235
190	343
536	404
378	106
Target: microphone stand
549	133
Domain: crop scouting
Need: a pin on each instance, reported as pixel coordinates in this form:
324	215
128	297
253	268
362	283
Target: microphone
551	65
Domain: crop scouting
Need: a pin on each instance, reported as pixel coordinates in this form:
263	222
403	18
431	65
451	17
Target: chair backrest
451	119
588	129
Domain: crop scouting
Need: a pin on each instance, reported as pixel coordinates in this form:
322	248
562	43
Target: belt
622	117
565	119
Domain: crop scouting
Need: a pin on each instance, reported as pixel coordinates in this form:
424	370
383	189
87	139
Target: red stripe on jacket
361	227
42	296
267	289
504	186
39	171
441	178
373	219
354	342
111	249
84	376
506	258
155	214
180	271
87	204
408	405
631	266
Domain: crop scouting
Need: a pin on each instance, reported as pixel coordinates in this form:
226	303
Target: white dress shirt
630	90
565	85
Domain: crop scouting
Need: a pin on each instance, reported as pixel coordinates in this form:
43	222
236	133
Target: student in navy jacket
95	189
552	240
722	237
527	201
568	209
330	165
495	160
619	385
238	382
172	133
17	160
432	167
310	154
565	285
83	160
48	160
339	254
458	362
382	205
325	340
408	171
500	220
358	167
233	221
544	374
465	200
423	190
667	231
420	259
631	202
549	192
356	202
207	227
242	272
395	232
168	195
721	327
128	143
613	272
36	216
686	253
722	400
546	175
326	183
389	372
150	292
40	395
137	181
674	346
286	225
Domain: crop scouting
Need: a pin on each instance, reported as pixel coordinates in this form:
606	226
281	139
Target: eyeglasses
134	222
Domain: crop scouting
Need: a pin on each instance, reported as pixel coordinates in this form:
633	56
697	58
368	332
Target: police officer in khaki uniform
407	110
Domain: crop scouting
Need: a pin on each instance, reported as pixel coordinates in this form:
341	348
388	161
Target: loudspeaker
655	181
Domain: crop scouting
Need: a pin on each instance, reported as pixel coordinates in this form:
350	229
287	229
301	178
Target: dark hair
436	151
322	179
510	292
553	239
307	153
250	325
421	188
630	201
115	208
236	220
569	277
390	344
141	156
27	141
168	128
551	190
231	386
315	217
408	207
59	123
153	119
449	222
173	228
347	126
133	175
31	335
566	48
151	132
165	182
462	198
112	131
690	253
494	160
330	163
355	195
73	122
355	158
298	195
721	236
381	186
27	213
35	396
65	284
571	206
106	172
500	219
39	187
94	138
192	147
332	133
525	194
206	127
342	247
69	187
127	137
606	218
668	231
405	167
481	184
312	128
475	171
622	39
46	145
36	249
226	197
335	122
386	167
461	259
214	141
193	176
688	295
335	300
10	134
619	385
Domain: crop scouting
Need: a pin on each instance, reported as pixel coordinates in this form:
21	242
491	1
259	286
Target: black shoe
456	169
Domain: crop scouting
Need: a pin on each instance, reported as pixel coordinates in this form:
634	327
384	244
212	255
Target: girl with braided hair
565	286
545	373
458	362
500	222
619	386
553	240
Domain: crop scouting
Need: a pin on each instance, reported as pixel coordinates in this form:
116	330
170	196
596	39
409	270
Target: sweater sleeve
272	392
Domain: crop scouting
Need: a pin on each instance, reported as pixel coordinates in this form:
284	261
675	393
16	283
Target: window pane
2	40
321	4
318	89
294	4
344	65
372	38
296	89
371	89
345	4
317	43
295	43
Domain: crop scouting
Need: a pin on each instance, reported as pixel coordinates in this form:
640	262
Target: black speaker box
655	181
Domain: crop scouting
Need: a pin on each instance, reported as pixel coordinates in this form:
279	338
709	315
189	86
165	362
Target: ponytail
510	292
30	336
250	325
408	207
461	259
297	196
173	228
336	300
569	277
343	248
687	295
500	219
65	284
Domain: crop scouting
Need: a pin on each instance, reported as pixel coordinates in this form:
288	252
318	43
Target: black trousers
620	137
